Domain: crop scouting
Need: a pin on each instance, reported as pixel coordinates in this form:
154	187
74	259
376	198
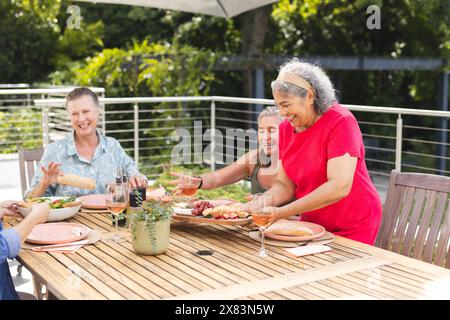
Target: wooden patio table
351	270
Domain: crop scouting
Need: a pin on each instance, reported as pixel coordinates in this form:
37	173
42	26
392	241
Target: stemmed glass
188	186
116	202
263	214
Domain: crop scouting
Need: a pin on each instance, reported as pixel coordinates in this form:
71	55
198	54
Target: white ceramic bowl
56	214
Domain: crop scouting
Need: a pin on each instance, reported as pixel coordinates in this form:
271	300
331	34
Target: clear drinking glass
191	188
263	213
116	202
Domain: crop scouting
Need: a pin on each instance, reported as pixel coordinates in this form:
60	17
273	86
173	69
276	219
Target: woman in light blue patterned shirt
85	152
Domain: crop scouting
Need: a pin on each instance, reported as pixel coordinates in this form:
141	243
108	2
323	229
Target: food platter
205	212
197	219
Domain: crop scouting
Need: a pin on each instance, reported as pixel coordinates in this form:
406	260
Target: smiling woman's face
83	115
268	134
297	110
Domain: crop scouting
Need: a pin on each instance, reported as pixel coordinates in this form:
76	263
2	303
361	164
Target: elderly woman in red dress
323	176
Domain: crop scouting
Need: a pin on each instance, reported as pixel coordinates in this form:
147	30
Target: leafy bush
20	128
149	69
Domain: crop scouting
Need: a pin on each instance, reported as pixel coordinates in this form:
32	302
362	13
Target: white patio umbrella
220	8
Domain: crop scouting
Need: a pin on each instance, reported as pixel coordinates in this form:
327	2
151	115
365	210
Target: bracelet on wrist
201	182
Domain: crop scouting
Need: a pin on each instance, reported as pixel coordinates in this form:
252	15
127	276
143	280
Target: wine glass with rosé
263	215
116	202
187	184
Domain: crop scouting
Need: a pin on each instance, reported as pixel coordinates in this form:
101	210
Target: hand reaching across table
9	208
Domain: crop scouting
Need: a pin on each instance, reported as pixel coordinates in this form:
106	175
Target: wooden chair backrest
416	217
28	162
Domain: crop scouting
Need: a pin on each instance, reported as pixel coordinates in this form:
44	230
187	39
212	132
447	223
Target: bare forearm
24	228
281	193
326	194
221	178
208	181
39	190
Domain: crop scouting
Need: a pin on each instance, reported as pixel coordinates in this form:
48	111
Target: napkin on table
307	250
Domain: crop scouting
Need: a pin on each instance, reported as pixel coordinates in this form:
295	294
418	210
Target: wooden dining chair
416	217
28	162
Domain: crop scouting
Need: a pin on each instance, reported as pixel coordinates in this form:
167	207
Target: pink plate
318	231
59	232
93	201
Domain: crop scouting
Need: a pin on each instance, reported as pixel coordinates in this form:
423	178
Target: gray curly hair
324	93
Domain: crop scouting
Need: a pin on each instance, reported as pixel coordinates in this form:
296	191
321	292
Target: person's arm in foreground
283	191
340	173
230	174
10	239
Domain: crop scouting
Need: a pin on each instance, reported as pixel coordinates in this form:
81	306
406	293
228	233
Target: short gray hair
270	111
77	93
324	93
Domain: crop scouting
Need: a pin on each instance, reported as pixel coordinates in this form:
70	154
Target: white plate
182	205
56	214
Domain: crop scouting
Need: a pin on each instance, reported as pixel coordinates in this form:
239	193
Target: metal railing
24	124
400	138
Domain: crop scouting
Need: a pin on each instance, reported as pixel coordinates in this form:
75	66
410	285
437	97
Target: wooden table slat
216	263
240	254
286	280
358	288
376	281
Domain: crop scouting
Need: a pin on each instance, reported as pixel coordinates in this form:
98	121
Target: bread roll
289	228
76	181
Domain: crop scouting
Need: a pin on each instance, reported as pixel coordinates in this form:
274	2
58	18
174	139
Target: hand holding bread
53	174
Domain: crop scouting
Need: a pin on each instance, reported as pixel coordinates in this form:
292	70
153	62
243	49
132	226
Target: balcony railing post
212	156
103	111
398	143
45	128
136	134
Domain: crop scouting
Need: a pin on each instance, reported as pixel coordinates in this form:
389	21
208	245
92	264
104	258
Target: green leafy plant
150	213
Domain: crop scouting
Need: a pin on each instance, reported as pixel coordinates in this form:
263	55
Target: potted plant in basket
150	226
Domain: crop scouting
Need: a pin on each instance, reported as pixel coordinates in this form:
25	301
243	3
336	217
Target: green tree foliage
20	127
409	28
149	69
137	51
26	44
